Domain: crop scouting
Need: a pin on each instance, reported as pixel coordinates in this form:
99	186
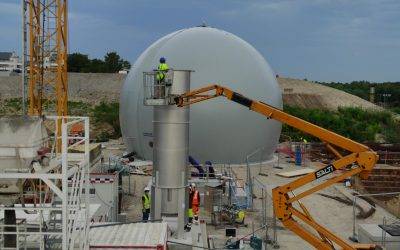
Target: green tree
108	113
78	62
97	66
113	62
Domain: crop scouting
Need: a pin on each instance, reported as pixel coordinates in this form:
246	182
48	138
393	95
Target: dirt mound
96	87
304	100
313	95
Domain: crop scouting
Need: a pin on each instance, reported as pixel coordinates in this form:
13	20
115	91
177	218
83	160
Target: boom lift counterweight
361	159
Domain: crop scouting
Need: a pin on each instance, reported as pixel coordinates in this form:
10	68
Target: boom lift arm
360	157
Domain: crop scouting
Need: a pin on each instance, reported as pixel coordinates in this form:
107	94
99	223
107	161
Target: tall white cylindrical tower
170	147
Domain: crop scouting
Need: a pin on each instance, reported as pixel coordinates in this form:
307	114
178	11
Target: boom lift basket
157	92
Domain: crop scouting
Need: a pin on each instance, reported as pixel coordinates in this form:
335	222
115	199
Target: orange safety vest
196	198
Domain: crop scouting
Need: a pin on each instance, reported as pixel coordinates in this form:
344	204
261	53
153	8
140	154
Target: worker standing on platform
188	226
162	70
195	203
146	204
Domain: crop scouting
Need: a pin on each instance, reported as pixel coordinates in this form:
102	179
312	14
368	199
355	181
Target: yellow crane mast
47	24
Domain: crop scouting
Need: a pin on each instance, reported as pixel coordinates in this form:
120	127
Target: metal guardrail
354	237
21	228
157	92
257	188
69	200
386	156
267	213
258	152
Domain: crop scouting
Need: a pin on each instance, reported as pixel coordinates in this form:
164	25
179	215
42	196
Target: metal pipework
170	154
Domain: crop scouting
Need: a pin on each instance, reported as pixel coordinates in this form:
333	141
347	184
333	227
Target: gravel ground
330	213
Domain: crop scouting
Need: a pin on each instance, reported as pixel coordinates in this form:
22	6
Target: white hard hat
146	189
193	185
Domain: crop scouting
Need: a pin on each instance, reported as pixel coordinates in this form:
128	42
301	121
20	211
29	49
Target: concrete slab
372	233
295	173
195	239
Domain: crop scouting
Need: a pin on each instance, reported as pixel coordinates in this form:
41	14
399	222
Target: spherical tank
220	131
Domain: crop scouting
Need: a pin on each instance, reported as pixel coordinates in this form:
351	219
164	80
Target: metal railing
354	237
313	150
255	158
157	92
20	227
255	162
268	218
69	201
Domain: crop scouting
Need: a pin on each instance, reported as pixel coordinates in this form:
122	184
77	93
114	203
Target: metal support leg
156	213
181	208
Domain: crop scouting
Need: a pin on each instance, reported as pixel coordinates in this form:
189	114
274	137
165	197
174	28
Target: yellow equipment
240	217
46	24
48	48
360	157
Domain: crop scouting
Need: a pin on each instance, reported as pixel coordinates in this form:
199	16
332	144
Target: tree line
112	63
347	121
386	93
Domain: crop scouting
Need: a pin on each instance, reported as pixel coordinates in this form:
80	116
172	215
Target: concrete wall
87	87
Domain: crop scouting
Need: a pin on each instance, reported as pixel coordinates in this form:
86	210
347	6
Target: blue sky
327	40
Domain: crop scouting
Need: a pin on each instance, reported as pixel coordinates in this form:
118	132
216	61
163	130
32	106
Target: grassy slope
355	123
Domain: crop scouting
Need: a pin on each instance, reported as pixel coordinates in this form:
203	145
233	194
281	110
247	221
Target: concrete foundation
372	233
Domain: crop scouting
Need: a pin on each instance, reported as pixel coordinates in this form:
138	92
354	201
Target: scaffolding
61	222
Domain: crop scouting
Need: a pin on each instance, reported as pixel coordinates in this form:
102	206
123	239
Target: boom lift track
361	160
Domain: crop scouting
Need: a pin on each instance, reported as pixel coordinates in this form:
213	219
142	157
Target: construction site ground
331	213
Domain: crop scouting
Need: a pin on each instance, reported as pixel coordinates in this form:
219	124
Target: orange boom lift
360	157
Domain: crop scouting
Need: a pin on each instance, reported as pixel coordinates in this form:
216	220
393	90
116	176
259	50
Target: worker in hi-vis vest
146	204
195	203
188	226
162	70
240	217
